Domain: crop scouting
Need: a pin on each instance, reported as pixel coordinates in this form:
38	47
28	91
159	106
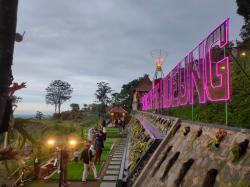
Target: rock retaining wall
197	155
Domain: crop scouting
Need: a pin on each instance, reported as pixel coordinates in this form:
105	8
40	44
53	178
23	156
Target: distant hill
28	116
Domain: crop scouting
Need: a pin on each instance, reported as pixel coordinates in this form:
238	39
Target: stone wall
196	159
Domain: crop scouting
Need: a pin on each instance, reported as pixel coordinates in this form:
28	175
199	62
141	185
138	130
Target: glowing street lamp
243	54
72	143
51	142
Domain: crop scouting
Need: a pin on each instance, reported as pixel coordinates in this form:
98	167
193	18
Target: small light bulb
243	54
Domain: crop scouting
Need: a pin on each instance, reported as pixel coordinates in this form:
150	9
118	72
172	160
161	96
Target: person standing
104	130
123	125
120	125
116	122
99	145
75	155
87	156
90	135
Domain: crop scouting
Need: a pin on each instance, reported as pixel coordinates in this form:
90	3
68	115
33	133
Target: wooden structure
117	112
144	87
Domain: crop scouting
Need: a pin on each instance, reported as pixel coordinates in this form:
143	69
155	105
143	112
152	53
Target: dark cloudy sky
88	41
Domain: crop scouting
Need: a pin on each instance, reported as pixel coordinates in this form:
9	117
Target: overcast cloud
85	42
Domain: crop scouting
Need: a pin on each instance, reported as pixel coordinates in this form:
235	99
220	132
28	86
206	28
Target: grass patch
75	170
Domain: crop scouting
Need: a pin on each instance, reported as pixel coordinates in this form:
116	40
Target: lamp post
237	62
51	143
243	54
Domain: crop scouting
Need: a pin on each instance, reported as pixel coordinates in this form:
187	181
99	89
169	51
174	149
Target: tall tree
39	115
125	95
244	10
57	93
85	107
115	100
74	107
102	95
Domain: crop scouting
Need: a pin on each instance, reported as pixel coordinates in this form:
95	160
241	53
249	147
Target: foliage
115	99
33	132
85	107
185	131
74	107
219	136
102	95
139	142
39	115
244	10
57	93
235	152
125	95
238	150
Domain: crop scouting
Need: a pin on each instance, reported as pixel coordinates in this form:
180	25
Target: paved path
113	170
154	133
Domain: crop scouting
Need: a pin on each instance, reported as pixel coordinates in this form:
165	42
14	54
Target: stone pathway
112	173
153	132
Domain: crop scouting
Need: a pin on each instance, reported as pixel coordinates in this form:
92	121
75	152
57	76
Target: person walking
99	145
87	156
90	135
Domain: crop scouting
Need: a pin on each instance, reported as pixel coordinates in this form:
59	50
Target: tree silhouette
39	115
57	93
244	10
102	95
74	107
115	100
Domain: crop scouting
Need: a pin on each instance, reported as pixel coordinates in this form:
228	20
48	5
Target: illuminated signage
202	76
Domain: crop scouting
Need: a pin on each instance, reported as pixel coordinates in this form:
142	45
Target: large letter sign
199	77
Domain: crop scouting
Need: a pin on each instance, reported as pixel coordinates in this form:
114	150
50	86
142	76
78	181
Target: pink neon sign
197	78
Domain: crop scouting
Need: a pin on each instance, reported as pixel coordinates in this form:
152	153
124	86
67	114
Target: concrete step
114	167
116	159
115	163
112	172
108	184
116	156
110	178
